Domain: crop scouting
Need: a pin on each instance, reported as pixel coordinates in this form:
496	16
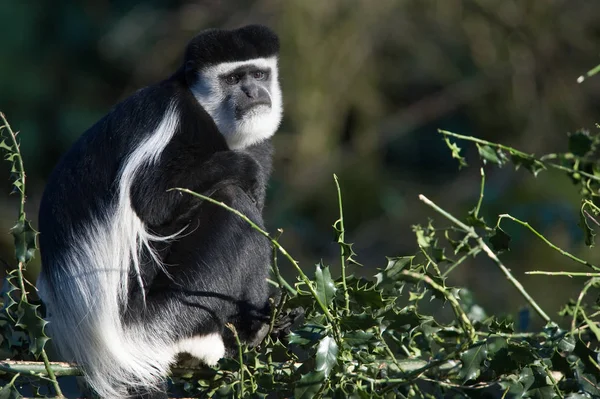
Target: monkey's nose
250	91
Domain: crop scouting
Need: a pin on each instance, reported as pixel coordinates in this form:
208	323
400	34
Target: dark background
366	86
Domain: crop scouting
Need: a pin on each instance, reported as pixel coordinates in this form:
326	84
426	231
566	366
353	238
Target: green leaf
393	270
326	358
5	146
529	162
472	360
500	240
307	335
580	143
358	338
488	154
30	321
518	385
9	391
25	243
501	326
309	385
455	150
325	286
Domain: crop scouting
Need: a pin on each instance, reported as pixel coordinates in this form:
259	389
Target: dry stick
341	241
568	274
471	231
18	162
285	253
541	237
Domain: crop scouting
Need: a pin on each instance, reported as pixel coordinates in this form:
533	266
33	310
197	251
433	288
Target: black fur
217	268
217	46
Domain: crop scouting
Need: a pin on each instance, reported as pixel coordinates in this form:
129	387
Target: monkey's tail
85	306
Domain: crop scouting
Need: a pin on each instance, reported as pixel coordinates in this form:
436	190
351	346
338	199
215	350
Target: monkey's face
243	98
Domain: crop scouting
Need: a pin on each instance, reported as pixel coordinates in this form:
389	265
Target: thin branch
471	231
458	311
294	263
541	237
341	237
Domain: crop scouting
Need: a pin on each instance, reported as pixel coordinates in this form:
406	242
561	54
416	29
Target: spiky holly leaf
529	162
309	385
581	143
25	243
500	240
357	338
390	275
518	385
472	360
30	321
347	251
307	335
504	326
359	321
455	150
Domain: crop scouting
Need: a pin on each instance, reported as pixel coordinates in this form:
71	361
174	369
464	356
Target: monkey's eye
232	79
259	75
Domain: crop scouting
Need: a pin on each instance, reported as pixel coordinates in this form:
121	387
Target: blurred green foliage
366	85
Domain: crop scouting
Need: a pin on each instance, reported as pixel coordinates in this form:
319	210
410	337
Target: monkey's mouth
257	108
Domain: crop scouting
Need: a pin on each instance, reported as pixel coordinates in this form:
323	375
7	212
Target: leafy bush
376	337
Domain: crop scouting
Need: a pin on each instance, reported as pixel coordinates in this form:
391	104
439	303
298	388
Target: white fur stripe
85	307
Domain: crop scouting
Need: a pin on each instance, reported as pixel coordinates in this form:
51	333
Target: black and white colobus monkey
133	273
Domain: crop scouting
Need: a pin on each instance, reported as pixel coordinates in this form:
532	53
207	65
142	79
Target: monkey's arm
214	269
159	207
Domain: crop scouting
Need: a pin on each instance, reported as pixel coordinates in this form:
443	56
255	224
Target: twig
458	311
481	189
294	263
520	153
341	237
541	237
568	274
471	231
20	184
240	357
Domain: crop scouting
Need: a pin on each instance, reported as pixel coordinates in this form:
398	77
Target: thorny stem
458	311
17	159
471	232
341	241
281	249
512	150
431	261
474	251
541	237
240	357
18	162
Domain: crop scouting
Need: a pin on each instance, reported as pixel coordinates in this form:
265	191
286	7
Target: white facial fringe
255	127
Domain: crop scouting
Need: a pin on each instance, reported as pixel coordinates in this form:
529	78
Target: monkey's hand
233	168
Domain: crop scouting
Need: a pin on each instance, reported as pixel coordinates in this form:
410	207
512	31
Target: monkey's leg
209	271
